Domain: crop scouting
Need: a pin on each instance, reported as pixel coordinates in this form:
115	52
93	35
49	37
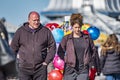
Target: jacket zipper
33	34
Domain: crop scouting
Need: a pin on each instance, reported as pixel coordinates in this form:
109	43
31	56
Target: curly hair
76	18
111	43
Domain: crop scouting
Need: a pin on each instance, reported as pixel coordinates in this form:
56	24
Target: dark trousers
39	73
72	74
2	76
8	71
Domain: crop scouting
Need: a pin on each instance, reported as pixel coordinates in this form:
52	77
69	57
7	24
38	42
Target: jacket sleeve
95	56
51	48
15	42
102	61
62	48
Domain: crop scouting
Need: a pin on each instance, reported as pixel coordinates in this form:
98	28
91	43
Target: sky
16	11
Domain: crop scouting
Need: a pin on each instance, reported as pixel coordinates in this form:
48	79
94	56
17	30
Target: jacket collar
70	36
26	27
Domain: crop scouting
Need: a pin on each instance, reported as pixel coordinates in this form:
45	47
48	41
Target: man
35	48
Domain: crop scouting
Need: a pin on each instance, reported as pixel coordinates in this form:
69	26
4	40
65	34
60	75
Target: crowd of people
34	48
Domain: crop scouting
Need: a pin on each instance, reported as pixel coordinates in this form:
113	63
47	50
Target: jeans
113	77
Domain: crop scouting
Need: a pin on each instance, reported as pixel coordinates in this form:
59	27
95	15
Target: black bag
6	54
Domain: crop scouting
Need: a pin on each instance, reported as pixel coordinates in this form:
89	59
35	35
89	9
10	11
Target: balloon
58	63
61	71
102	38
55	75
66	27
52	26
85	32
67	32
85	26
58	34
94	32
56	56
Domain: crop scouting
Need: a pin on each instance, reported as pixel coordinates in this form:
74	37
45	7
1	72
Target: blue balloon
94	32
58	34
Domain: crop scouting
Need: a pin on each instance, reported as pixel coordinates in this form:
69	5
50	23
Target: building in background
103	14
60	8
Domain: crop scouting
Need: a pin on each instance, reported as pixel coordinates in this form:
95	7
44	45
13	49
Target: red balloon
55	75
85	32
52	26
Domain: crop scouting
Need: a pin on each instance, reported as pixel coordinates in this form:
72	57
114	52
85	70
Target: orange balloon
85	26
55	75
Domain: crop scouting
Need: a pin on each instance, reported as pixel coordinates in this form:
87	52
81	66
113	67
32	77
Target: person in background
3	30
35	47
4	36
78	51
110	58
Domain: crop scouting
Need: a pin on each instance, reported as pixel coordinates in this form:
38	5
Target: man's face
34	20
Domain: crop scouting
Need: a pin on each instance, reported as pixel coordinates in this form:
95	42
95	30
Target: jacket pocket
69	70
22	61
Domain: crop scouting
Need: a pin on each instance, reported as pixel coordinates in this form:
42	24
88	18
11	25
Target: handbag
6	54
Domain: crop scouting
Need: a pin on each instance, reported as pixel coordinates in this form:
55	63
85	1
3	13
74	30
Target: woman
110	58
78	52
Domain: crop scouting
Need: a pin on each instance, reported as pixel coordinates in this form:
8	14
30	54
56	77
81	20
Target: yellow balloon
101	39
85	27
67	32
